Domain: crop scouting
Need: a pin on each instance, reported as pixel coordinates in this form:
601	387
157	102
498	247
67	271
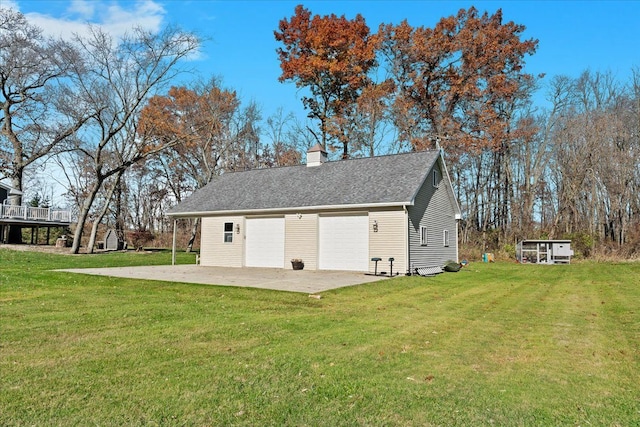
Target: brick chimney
316	156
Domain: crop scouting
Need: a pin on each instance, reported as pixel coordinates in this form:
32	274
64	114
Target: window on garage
228	232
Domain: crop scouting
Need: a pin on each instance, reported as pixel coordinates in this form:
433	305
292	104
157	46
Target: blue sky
240	47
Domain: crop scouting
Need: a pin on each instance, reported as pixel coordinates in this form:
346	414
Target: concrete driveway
306	281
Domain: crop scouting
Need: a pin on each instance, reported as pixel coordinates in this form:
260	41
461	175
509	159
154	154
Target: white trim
453	193
225	232
173	243
407	243
457	249
424	236
273	211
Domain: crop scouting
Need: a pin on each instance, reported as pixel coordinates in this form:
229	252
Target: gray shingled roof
392	179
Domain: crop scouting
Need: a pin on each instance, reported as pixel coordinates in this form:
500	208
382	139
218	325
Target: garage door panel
264	242
344	243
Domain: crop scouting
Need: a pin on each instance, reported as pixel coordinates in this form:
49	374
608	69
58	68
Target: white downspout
407	261
457	243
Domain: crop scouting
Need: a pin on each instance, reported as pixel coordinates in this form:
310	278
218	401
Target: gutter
194	214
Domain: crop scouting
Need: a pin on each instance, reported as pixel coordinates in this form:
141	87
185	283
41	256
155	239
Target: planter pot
297	265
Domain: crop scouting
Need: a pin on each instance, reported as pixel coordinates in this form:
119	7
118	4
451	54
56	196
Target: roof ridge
350	159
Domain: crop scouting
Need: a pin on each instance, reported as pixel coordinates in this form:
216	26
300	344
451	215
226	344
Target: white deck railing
29	213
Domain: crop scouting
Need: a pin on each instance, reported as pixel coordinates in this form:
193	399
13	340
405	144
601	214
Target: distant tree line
575	175
131	143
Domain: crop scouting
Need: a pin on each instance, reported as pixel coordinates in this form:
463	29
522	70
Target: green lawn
495	344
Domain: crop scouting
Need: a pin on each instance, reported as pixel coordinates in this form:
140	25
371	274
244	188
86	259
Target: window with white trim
445	238
228	232
436	178
423	236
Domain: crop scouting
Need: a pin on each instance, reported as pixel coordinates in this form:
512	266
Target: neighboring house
332	215
22	216
4	192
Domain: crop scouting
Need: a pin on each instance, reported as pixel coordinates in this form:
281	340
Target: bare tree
37	111
116	79
366	125
596	160
532	155
285	152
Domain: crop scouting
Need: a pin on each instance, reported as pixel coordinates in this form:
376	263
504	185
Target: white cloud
9	4
56	26
146	14
83	8
115	18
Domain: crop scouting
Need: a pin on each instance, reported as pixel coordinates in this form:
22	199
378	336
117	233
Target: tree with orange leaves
204	120
365	126
329	55
201	120
459	81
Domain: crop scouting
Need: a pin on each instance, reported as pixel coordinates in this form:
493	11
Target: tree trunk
15	231
84	214
119	212
94	231
103	212
15	234
194	232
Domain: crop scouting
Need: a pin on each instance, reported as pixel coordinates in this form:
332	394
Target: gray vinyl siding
433	209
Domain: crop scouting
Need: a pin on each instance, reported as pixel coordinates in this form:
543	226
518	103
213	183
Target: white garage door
265	242
344	243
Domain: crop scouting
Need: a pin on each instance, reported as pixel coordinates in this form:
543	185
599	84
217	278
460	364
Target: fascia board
452	193
287	209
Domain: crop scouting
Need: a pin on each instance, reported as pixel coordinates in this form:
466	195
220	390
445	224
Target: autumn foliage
458	82
191	117
329	55
460	79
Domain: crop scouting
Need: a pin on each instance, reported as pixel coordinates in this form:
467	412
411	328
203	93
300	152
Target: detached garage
331	215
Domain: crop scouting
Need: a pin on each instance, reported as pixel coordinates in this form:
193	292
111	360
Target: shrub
140	238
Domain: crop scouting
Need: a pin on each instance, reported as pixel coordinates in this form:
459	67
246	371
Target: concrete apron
306	281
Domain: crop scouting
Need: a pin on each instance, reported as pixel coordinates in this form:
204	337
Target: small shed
111	241
544	251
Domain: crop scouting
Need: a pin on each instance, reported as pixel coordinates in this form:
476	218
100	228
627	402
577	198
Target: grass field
495	344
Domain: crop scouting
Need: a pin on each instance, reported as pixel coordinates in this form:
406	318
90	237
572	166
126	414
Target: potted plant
297	264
